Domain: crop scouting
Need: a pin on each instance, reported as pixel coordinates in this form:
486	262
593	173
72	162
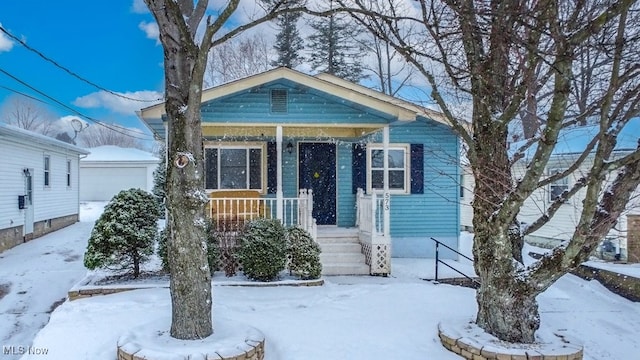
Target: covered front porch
283	173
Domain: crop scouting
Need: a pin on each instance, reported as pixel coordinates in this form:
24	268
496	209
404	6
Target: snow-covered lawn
347	318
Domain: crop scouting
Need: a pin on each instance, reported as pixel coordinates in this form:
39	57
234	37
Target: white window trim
407	167
46	174
564	182
246	146
69	172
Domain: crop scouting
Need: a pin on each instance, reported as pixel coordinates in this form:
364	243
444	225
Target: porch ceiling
302	130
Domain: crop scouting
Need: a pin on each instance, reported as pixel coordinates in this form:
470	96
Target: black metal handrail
438	243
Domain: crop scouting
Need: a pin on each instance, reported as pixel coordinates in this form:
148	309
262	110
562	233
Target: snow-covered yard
347	318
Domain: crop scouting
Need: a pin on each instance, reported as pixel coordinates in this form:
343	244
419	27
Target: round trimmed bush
124	235
263	249
304	254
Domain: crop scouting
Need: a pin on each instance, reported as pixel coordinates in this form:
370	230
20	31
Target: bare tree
390	71
545	66
110	134
185	60
238	58
29	115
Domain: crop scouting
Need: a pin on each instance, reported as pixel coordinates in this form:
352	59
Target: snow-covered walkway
35	278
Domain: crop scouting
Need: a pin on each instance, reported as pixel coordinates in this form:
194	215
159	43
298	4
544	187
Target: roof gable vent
279	101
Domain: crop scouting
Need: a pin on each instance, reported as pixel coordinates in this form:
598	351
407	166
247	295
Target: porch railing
231	213
376	245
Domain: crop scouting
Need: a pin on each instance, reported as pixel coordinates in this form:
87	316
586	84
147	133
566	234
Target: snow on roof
116	153
17	133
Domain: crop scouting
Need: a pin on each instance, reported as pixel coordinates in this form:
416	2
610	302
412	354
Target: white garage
109	169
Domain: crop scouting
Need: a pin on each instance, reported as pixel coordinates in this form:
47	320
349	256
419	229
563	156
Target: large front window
559	186
398	168
234	167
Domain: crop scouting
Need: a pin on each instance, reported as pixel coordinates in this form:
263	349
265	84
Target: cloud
139	7
5	43
127	103
151	29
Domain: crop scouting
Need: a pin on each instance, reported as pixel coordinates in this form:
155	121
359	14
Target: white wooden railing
376	244
231	213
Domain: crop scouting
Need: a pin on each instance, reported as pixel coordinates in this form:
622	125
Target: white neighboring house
562	225
39	190
110	169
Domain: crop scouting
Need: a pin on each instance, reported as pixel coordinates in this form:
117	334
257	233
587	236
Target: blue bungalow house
310	150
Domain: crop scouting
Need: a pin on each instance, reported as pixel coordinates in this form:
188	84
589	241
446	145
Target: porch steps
341	251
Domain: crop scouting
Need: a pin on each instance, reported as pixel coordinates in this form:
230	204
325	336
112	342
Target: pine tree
334	48
125	234
160	180
289	43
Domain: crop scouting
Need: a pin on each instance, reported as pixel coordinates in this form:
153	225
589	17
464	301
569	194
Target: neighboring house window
398	168
68	173
461	186
234	167
559	186
47	170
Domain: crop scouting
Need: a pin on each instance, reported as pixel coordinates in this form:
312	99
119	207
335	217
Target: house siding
303	107
56	201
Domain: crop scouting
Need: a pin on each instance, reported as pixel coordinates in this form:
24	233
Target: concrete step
338	240
341	248
342	258
341	269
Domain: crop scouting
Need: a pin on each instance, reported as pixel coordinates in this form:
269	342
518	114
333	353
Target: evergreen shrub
124	235
304	254
263	249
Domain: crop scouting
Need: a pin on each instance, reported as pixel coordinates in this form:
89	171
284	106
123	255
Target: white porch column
279	194
386	196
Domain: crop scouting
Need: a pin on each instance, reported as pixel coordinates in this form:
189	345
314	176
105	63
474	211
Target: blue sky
110	43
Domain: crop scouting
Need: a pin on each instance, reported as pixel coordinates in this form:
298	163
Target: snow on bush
304	254
123	237
263	249
213	252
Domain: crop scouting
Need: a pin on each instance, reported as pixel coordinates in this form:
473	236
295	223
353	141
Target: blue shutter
359	167
272	167
417	168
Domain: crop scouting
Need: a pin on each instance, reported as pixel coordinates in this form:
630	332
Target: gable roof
17	134
111	153
396	108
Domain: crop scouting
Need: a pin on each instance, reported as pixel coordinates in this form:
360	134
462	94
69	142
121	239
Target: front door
317	171
28	204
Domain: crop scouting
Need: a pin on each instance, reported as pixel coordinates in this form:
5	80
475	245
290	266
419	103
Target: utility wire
113	127
56	64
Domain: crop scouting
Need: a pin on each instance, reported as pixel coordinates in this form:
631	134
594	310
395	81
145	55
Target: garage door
101	184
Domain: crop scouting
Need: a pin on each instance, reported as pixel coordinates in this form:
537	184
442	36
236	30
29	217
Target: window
47	170
398	168
234	167
559	186
461	186
68	173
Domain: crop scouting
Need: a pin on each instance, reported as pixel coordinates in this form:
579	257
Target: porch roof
386	106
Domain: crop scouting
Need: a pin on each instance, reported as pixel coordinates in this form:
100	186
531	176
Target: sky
349	317
112	44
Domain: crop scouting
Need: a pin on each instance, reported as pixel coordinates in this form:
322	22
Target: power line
98	122
56	64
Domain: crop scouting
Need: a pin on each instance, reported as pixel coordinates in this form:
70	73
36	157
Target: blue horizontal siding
304	106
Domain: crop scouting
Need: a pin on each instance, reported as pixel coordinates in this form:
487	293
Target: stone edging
623	285
83	291
454	338
230	341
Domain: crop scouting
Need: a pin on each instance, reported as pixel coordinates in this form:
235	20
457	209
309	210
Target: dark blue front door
317	171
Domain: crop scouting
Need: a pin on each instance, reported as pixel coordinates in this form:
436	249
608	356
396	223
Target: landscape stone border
230	341
81	291
623	285
467	340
